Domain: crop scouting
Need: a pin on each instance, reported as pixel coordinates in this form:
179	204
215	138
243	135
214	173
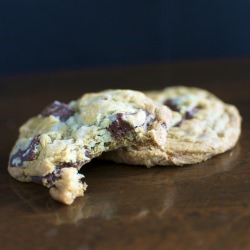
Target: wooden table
206	206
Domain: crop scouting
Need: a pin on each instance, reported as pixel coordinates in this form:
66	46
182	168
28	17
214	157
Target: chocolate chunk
172	105
37	179
119	128
68	165
55	175
58	109
190	113
164	125
179	123
87	154
51	178
27	154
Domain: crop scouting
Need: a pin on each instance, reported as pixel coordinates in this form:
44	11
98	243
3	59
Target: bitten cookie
202	126
54	145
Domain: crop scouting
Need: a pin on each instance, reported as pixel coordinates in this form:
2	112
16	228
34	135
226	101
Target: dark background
42	35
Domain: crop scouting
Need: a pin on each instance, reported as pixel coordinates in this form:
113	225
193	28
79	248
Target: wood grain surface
204	206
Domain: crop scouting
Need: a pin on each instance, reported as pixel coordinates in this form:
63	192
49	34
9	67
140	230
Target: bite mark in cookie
71	135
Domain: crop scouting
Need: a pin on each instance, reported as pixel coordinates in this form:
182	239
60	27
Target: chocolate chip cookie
202	126
54	145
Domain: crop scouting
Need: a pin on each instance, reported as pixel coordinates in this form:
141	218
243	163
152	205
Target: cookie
202	127
54	145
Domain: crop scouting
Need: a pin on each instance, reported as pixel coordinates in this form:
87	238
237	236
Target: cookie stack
175	126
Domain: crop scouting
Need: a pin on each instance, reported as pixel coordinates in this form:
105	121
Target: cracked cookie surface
202	126
54	145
